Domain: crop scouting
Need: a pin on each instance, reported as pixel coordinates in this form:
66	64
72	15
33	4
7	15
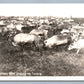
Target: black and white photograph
41	40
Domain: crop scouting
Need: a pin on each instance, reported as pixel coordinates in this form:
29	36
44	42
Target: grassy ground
47	62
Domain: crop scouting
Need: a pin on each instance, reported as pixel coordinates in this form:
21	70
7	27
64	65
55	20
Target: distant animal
40	32
26	38
57	40
77	29
65	31
50	30
75	37
60	26
19	27
27	29
82	35
77	45
46	27
1	22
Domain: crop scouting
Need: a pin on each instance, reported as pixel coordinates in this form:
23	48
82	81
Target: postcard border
77	79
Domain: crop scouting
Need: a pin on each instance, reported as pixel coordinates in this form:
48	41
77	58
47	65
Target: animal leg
34	45
14	44
77	51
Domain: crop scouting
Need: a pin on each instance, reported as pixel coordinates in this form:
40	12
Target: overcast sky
59	10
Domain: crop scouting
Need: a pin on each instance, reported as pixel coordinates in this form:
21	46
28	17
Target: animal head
72	46
47	44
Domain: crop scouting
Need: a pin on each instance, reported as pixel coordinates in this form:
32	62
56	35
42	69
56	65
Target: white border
59	10
41	78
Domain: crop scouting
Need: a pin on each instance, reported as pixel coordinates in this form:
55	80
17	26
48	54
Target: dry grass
47	62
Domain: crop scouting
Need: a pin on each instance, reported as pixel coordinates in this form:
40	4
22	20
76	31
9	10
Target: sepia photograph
41	40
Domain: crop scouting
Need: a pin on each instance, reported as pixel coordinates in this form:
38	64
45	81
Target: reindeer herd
45	33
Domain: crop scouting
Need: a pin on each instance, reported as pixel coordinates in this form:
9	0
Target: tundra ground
47	62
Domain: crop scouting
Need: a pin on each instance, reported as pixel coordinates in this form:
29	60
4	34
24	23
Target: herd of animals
45	34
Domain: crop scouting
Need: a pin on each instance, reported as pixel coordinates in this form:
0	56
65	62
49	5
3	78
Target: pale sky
59	10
